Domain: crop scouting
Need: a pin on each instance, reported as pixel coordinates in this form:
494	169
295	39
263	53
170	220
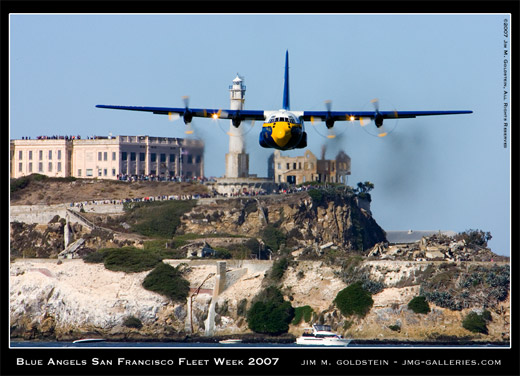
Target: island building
308	168
107	157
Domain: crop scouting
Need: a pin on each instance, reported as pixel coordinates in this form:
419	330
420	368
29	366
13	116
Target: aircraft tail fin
286	103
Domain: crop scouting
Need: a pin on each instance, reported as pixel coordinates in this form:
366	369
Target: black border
290	359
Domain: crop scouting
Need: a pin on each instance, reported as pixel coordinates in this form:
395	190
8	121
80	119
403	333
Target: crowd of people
152	177
282	190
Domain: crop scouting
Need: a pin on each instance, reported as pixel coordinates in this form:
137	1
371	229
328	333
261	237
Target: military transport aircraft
284	129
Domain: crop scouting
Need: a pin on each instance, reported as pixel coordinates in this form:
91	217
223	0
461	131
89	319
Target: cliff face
72	299
306	222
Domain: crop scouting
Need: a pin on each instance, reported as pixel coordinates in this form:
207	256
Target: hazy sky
430	173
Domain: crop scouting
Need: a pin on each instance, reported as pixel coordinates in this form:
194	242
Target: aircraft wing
197	112
357	115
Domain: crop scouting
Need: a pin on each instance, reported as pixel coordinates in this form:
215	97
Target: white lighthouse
237	160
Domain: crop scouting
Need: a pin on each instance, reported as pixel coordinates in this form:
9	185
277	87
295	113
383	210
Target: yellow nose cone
281	134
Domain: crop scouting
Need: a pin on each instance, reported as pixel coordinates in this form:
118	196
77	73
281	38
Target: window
124	155
105	172
59	154
50	166
20	167
59	166
132	156
279	166
113	155
50	154
40	154
141	157
190	159
105	156
153	157
294	166
20	155
197	159
99	156
288	166
99	172
88	172
30	155
79	171
113	172
30	167
172	158
163	157
40	167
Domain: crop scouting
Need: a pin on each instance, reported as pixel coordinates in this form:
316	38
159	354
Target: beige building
307	168
49	157
108	157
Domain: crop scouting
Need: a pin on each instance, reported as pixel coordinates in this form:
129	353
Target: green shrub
419	305
168	281
273	237
96	257
270	313
278	269
354	299
157	218
132	322
130	260
475	323
300	313
395	328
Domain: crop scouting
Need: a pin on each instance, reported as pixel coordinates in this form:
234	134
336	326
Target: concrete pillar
66	232
220	283
221	277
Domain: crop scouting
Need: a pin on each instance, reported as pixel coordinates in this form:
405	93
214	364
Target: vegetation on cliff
306	313
156	218
126	259
354	300
419	305
477	323
168	281
456	287
270	313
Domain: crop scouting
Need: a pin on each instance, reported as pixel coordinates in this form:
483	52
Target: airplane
284	129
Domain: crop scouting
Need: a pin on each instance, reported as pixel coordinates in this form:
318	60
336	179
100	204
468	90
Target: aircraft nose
280	133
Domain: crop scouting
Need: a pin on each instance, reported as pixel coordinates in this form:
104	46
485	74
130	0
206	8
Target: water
108	344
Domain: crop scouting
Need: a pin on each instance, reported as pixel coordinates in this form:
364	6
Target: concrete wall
41	214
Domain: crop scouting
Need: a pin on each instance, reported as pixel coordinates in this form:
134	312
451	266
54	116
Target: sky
431	173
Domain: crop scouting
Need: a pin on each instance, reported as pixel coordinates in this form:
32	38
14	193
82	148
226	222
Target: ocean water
108	344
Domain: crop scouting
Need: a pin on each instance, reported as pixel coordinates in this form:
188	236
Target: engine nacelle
236	120
187	117
379	120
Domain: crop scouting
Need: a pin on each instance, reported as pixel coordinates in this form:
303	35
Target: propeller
187	117
378	119
243	127
332	132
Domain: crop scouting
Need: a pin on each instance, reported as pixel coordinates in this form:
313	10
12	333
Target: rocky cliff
306	220
71	299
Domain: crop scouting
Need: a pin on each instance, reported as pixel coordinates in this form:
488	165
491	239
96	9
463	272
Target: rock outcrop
305	222
70	299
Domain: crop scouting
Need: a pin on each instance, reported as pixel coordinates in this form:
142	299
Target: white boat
230	341
88	340
321	335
